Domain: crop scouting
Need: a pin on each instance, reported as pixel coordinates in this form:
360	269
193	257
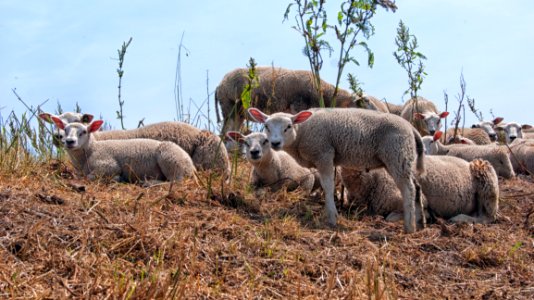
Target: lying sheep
123	160
522	155
510	131
451	188
69	117
496	155
423	115
277	90
205	148
351	138
273	169
489	127
478	135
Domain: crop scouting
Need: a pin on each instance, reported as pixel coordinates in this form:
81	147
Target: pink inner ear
234	135
419	116
437	135
444	114
257	114
302	116
59	123
94	126
497	120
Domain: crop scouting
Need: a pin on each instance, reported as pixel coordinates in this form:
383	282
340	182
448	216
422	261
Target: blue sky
66	51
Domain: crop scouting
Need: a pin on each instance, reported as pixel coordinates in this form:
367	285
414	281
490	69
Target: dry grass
63	237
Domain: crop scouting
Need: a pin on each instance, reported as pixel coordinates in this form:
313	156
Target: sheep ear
87	118
301	117
236	136
59	123
526	126
463	141
418	116
444	114
46	117
497	120
257	115
437	135
95	125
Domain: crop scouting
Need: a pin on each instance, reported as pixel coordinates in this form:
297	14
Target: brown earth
63	237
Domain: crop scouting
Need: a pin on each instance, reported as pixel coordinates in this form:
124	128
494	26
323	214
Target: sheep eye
288	127
83	132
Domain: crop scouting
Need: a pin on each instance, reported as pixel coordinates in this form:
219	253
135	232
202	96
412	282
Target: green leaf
340	17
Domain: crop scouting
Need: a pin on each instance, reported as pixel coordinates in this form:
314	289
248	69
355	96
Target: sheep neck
264	167
80	156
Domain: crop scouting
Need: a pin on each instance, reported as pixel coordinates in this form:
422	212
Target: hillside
64	237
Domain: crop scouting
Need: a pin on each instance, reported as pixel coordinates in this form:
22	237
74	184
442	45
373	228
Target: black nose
254	153
69	142
432	132
513	138
493	136
275	145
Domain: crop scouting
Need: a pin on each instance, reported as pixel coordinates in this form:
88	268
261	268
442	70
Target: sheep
489	127
472	197
394	108
205	148
370	102
496	155
423	115
478	135
69	117
273	168
352	138
123	160
277	90
510	131
522	155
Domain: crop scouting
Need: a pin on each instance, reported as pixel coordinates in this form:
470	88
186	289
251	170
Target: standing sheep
472	196
477	135
352	138
496	155
273	169
522	155
423	115
510	131
277	90
205	148
489	127
124	160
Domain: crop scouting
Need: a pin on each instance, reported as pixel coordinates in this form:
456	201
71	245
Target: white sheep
123	160
68	117
451	188
495	154
352	138
370	102
205	148
489	127
423	115
510	131
273	169
522	155
478	135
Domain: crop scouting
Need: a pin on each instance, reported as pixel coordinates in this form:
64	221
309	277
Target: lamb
277	90
489	127
273	169
123	160
423	115
478	135
496	155
510	131
69	117
522	155
205	148
472	197
351	138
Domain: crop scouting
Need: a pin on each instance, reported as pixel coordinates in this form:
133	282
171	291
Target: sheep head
280	127
432	120
256	144
76	134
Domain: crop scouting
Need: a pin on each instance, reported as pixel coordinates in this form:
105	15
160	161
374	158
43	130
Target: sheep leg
326	176
407	188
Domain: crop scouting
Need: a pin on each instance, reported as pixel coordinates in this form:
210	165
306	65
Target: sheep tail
217	103
420	152
485	180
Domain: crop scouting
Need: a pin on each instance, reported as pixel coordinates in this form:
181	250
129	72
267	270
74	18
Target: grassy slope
124	240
